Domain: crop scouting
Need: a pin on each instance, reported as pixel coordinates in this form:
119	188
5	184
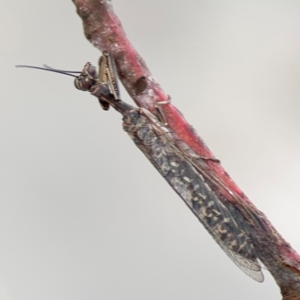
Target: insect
181	169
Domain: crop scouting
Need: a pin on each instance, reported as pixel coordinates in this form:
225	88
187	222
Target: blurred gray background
83	214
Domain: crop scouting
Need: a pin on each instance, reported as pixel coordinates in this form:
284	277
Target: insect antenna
50	68
47	68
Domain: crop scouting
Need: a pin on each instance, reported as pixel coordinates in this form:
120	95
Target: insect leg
107	81
111	75
159	113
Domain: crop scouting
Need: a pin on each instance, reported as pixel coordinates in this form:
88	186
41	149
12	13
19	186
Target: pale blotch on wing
202	195
210	203
217	212
187	179
174	164
207	186
187	194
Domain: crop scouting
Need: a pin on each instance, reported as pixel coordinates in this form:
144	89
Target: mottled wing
185	177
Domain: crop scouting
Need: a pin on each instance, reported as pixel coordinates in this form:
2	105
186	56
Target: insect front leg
106	89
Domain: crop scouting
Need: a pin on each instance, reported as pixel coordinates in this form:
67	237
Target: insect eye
85	81
92	72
